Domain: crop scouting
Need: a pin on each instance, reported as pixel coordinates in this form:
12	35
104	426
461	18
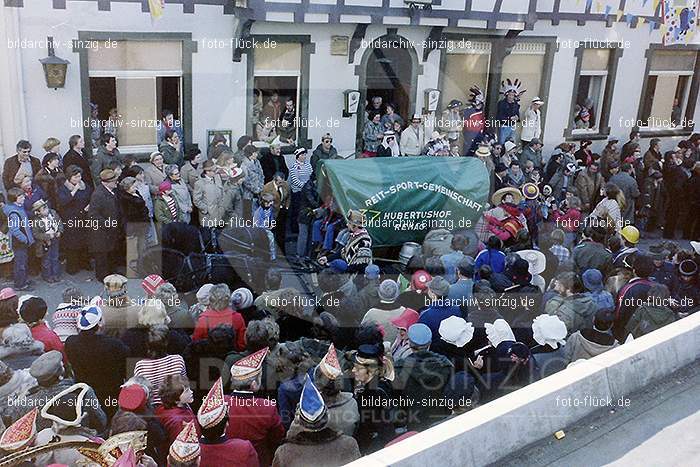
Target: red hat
408	318
420	279
132	397
165	186
151	283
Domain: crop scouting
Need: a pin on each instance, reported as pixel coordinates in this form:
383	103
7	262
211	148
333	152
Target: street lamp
54	68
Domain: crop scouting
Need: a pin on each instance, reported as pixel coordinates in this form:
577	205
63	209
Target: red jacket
42	333
174	419
255	419
228	453
211	319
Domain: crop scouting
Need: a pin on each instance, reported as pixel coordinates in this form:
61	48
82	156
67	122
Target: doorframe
361	72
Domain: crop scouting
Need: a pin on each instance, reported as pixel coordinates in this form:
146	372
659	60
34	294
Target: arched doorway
389	72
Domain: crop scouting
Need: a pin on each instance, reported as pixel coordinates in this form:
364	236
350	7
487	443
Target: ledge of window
599	135
664	132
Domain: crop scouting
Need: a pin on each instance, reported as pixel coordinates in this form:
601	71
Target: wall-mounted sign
339	45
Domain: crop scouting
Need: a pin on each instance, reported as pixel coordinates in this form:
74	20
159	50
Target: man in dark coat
14	163
272	161
323	151
97	360
633	294
674	182
107	235
422	376
75	156
591	253
106	153
628	185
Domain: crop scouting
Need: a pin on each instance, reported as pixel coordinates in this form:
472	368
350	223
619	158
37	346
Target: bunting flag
619	15
156	7
680	24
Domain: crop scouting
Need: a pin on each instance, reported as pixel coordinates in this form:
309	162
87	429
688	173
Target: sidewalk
659	428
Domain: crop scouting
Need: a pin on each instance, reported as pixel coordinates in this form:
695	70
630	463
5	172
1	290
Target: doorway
389	73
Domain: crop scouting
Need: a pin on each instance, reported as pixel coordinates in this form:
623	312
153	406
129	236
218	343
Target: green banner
405	197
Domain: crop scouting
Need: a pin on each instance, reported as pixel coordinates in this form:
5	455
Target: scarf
170	201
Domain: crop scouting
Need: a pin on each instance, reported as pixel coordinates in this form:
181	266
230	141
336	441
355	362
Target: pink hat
165	186
408	318
151	283
7	292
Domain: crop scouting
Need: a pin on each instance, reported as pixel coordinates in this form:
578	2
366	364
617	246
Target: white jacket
410	144
532	125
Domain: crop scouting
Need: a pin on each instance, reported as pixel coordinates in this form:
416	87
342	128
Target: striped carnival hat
89	317
186	448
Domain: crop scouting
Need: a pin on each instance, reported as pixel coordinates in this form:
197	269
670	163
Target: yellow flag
156	7
619	15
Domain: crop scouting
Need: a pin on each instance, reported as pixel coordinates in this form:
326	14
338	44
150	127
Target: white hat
509	146
535	259
456	331
417	117
89	317
549	330
537	100
498	332
696	247
203	293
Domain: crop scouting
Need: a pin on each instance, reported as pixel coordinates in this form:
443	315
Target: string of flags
156	8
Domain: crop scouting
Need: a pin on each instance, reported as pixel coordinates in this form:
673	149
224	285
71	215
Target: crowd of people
553	273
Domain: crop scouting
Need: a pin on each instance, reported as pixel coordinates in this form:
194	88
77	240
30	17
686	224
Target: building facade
215	64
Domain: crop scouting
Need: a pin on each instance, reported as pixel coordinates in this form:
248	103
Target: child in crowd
47	228
264	217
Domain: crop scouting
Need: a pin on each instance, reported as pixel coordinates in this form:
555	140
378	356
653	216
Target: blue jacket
18	222
262	218
450	262
494	258
434	314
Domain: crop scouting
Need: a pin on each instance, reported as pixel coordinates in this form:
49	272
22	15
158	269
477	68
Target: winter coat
73	157
649	318
153	176
325	448
105	213
40	227
19	227
71	208
254	178
422	376
162	214
272	164
576	311
411	143
182	194
107	376
190	174
560	181
320	155
628	186
578	347
171	155
433	315
134	213
278	200
255	420
588	187
382	315
529	154
212	318
232	202
591	255
11	167
370	135
102	159
208	196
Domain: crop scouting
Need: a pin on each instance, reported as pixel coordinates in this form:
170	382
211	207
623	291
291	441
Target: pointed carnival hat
312	410
213	407
20	434
329	364
250	366
61	407
186	448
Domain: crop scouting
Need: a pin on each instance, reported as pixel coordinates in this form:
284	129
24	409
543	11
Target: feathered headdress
515	86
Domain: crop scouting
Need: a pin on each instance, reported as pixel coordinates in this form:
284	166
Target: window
277	74
526	63
465	67
139	79
590	92
667	91
594	83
